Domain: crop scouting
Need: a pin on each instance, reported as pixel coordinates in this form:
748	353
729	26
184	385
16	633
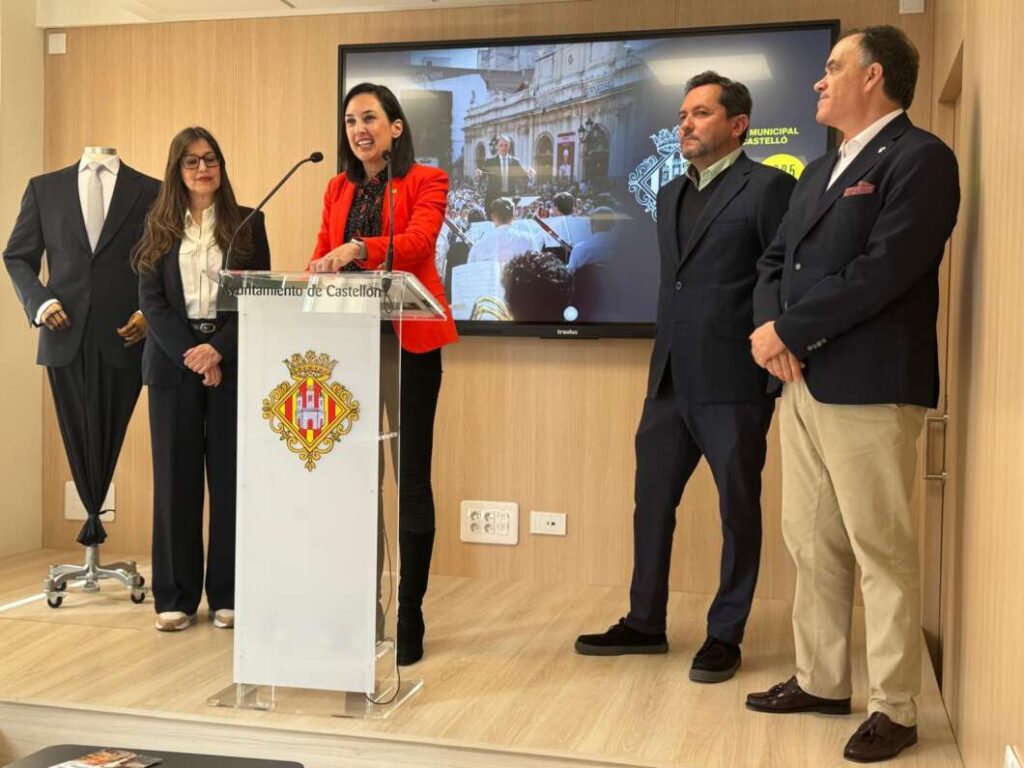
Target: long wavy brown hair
166	220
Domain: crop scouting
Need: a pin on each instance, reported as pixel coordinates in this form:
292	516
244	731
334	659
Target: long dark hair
402	153
166	220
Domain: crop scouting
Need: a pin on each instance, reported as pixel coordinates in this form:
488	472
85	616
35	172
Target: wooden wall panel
548	424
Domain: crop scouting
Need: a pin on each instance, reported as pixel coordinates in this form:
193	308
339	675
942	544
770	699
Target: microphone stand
389	254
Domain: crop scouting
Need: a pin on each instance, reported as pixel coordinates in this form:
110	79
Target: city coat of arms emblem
310	413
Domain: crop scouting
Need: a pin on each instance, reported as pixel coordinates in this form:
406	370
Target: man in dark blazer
705	396
846	307
87	310
504	175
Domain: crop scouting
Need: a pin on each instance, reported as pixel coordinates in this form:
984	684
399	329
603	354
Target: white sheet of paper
470	282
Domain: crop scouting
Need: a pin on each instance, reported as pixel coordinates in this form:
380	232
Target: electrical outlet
548	523
74	509
489	522
1012	759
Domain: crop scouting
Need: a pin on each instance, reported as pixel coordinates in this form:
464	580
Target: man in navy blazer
705	396
846	307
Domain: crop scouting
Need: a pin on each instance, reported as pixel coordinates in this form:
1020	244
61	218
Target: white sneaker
224	618
174	621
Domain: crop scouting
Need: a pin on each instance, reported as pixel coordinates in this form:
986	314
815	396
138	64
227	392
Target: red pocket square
860	188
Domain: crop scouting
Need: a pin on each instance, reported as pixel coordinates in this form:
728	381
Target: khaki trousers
847	478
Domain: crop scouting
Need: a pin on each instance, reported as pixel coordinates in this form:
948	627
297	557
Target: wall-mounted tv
556	148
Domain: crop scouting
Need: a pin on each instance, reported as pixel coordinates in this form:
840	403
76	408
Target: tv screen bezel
565	330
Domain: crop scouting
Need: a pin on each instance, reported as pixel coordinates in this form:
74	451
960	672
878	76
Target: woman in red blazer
353	235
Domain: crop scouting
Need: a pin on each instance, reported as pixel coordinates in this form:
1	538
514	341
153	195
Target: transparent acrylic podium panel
317	517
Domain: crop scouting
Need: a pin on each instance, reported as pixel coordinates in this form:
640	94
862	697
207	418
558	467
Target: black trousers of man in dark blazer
93	376
192	427
706	397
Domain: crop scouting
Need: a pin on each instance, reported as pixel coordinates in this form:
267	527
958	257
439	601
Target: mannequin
86	218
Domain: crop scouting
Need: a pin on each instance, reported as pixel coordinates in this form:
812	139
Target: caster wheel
55	602
138	597
60	587
140	581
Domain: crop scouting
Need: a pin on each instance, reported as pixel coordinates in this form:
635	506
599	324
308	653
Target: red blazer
421	197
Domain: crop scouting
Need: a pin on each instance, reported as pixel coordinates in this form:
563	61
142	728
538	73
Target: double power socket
497	522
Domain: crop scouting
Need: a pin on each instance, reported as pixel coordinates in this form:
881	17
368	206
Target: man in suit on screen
504	174
705	396
846	306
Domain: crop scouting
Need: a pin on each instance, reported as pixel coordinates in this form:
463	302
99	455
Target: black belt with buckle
207	327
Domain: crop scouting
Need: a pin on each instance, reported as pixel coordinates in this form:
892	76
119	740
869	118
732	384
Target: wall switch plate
74	509
489	522
547	523
911	6
1012	759
56	43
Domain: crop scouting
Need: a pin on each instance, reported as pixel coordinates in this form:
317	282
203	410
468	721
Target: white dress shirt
501	244
199	252
107	180
850	148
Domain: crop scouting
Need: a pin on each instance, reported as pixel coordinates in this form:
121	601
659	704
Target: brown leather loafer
789	697
879	738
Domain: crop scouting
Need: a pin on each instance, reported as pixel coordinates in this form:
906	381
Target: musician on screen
354	235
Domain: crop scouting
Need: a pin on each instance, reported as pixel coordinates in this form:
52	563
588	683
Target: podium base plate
307	701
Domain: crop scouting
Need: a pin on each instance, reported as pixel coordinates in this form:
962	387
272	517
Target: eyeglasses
191	162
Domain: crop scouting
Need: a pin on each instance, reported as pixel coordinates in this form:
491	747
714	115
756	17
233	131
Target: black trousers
94	403
421	385
670	440
193	428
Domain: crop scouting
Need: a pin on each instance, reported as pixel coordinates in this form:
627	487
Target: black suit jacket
162	299
705	312
852	280
100	285
516	179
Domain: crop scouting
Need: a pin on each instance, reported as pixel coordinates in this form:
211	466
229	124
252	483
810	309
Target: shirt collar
112	164
209	217
862	139
701	179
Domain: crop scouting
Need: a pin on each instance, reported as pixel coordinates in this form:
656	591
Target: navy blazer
162	299
705	312
852	279
100	286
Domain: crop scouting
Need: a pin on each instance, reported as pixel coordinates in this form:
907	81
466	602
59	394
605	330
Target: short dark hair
402	153
890	47
538	287
564	202
734	96
475	214
502	210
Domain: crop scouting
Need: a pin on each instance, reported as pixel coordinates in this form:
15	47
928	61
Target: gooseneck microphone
389	255
316	157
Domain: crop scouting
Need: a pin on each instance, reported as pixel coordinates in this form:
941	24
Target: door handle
942	419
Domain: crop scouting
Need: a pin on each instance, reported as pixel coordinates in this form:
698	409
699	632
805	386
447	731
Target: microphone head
386	154
316	157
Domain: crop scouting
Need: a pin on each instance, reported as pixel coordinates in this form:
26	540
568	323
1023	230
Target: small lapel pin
881	150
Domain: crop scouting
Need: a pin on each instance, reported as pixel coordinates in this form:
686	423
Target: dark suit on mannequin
705	396
93	375
192	426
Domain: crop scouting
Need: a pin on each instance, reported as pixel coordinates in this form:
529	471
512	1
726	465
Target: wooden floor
502	687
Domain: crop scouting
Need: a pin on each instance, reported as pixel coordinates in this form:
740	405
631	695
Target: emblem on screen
310	413
655	171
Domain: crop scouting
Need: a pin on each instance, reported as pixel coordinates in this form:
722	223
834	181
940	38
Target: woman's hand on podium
338	259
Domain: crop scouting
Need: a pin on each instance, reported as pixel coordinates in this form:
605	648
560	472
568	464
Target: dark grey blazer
100	285
705	311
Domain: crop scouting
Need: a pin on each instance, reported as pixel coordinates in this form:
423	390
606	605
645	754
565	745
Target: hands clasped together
771	353
204	360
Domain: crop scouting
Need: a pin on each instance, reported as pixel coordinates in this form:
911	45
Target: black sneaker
715	662
620	640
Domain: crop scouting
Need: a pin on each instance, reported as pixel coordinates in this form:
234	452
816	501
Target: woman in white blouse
190	367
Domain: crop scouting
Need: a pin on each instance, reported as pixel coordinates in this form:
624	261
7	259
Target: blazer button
679	285
796	266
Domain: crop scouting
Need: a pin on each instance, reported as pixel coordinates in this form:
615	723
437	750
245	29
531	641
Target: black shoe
879	738
410	635
788	697
715	662
620	640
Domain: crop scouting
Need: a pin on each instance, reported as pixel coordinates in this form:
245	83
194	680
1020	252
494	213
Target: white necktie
94	205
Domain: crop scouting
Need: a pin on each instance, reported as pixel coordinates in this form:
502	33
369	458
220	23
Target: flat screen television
556	148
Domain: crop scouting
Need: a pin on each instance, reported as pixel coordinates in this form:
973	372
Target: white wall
21	156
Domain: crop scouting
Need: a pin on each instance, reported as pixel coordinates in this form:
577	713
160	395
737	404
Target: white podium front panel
308	439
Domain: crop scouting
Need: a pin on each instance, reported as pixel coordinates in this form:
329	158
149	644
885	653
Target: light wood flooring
503	687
